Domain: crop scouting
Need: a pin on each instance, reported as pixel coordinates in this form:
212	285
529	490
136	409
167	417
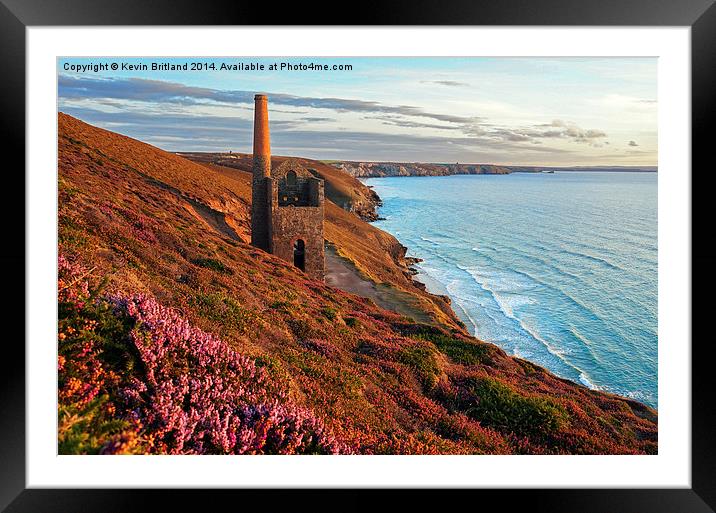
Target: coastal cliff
383	169
386	169
176	336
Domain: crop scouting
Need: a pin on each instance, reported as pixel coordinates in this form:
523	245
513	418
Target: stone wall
259	206
290	223
298	194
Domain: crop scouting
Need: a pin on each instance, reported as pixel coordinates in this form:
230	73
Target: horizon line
437	163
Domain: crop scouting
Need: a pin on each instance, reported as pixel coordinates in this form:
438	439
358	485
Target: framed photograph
447	247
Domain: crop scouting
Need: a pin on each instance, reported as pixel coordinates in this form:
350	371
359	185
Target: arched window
299	254
291	178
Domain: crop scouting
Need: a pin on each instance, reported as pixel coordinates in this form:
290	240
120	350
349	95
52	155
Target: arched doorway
299	254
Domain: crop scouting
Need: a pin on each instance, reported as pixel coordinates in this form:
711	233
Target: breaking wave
569	285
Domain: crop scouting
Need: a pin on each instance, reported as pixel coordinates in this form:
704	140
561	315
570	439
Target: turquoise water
559	269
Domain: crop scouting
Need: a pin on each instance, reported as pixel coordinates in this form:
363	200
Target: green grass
280	305
276	369
330	313
461	351
213	264
352	322
74	238
224	309
499	406
458	350
423	361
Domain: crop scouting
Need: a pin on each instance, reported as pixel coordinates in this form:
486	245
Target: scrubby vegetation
134	376
176	336
501	407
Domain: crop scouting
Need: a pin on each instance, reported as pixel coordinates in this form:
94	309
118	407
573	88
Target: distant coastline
359	169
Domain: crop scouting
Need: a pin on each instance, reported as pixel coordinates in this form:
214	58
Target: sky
519	111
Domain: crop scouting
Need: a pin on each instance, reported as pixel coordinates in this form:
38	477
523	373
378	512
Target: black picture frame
17	15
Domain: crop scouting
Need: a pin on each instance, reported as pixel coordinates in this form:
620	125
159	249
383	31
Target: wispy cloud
399	121
448	83
172	92
563	129
216	133
138	89
311	119
626	103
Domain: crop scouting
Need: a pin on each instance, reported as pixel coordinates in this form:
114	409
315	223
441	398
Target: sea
556	268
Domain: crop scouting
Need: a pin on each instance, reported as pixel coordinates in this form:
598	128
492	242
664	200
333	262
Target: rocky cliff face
382	169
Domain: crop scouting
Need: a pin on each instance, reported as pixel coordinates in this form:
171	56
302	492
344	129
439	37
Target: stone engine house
287	203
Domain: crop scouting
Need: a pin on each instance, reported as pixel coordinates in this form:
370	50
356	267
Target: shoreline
421	279
439	290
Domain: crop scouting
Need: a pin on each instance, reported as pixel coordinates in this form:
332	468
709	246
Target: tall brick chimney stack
262	137
261	170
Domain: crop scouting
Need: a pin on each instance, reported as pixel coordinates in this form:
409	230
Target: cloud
556	123
284	111
178	117
633	143
393	120
511	135
217	133
316	119
555	130
622	102
142	89
569	131
145	90
449	83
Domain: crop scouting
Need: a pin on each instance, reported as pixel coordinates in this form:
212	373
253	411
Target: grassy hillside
373	254
176	336
341	188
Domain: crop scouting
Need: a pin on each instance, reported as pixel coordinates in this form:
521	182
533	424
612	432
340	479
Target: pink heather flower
199	396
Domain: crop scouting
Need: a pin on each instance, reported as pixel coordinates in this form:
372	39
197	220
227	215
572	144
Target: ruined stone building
286	203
